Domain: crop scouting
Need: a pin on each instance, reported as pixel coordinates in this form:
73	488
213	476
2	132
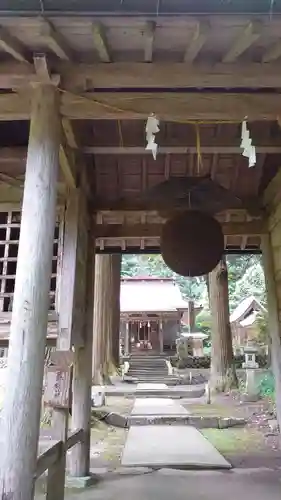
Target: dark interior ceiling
153	7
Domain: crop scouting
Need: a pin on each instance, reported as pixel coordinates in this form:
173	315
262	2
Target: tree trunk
223	374
106	317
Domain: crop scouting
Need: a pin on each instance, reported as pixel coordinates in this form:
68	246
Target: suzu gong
192	243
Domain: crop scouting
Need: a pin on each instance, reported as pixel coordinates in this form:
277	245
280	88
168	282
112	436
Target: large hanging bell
192	243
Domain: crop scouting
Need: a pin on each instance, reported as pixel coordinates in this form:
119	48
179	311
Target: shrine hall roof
245	307
150	295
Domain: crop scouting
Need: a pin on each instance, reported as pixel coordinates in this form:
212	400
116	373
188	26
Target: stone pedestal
250	364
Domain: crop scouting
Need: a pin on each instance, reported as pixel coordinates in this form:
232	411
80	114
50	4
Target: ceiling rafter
55	41
149	35
249	35
12	46
272	53
197	41
100	42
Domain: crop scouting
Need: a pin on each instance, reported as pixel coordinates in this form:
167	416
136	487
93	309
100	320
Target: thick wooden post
127	339
82	375
161	337
115	308
21	413
273	319
102	318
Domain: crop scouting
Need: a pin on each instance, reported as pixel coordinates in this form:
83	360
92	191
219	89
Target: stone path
183	485
158	407
179	446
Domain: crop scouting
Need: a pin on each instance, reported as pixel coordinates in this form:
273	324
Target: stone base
250	398
80	483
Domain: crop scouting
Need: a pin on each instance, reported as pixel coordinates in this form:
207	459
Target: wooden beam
245	39
69	133
55	41
100	41
139	150
67	163
41	66
171	106
117	231
16	154
167	106
42	70
80	77
13	46
197	41
149	34
272	53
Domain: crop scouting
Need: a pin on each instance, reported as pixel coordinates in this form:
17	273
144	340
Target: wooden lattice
9	242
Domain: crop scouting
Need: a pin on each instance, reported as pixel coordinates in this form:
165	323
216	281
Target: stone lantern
250	364
250	352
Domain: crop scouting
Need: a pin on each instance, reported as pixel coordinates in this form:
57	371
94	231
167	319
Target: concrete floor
182	485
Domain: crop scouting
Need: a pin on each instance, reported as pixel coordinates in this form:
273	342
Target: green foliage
245	278
186	362
267	386
204	321
262	324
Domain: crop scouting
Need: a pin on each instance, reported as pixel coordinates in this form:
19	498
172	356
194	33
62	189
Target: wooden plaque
57	381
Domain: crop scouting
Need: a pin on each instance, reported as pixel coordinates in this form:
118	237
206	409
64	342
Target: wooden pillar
273	319
161	337
102	319
82	374
22	404
127	339
115	307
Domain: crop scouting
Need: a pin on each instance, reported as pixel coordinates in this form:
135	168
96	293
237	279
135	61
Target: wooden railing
54	461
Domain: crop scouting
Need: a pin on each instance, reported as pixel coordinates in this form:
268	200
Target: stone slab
80	483
152	387
158	406
170	446
158	420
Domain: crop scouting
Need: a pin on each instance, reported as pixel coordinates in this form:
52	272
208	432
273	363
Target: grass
212	410
234	441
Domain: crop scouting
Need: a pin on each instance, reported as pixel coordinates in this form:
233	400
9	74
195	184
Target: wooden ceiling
201	73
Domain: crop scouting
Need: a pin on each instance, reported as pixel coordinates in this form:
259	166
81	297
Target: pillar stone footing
80	483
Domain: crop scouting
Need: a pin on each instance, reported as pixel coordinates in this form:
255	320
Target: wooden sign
57	381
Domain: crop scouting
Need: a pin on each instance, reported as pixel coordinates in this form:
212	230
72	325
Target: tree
223	374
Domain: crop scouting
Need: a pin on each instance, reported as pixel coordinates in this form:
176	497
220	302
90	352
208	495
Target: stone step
145	371
205	422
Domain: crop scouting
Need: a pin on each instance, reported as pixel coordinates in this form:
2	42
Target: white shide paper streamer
151	128
249	151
